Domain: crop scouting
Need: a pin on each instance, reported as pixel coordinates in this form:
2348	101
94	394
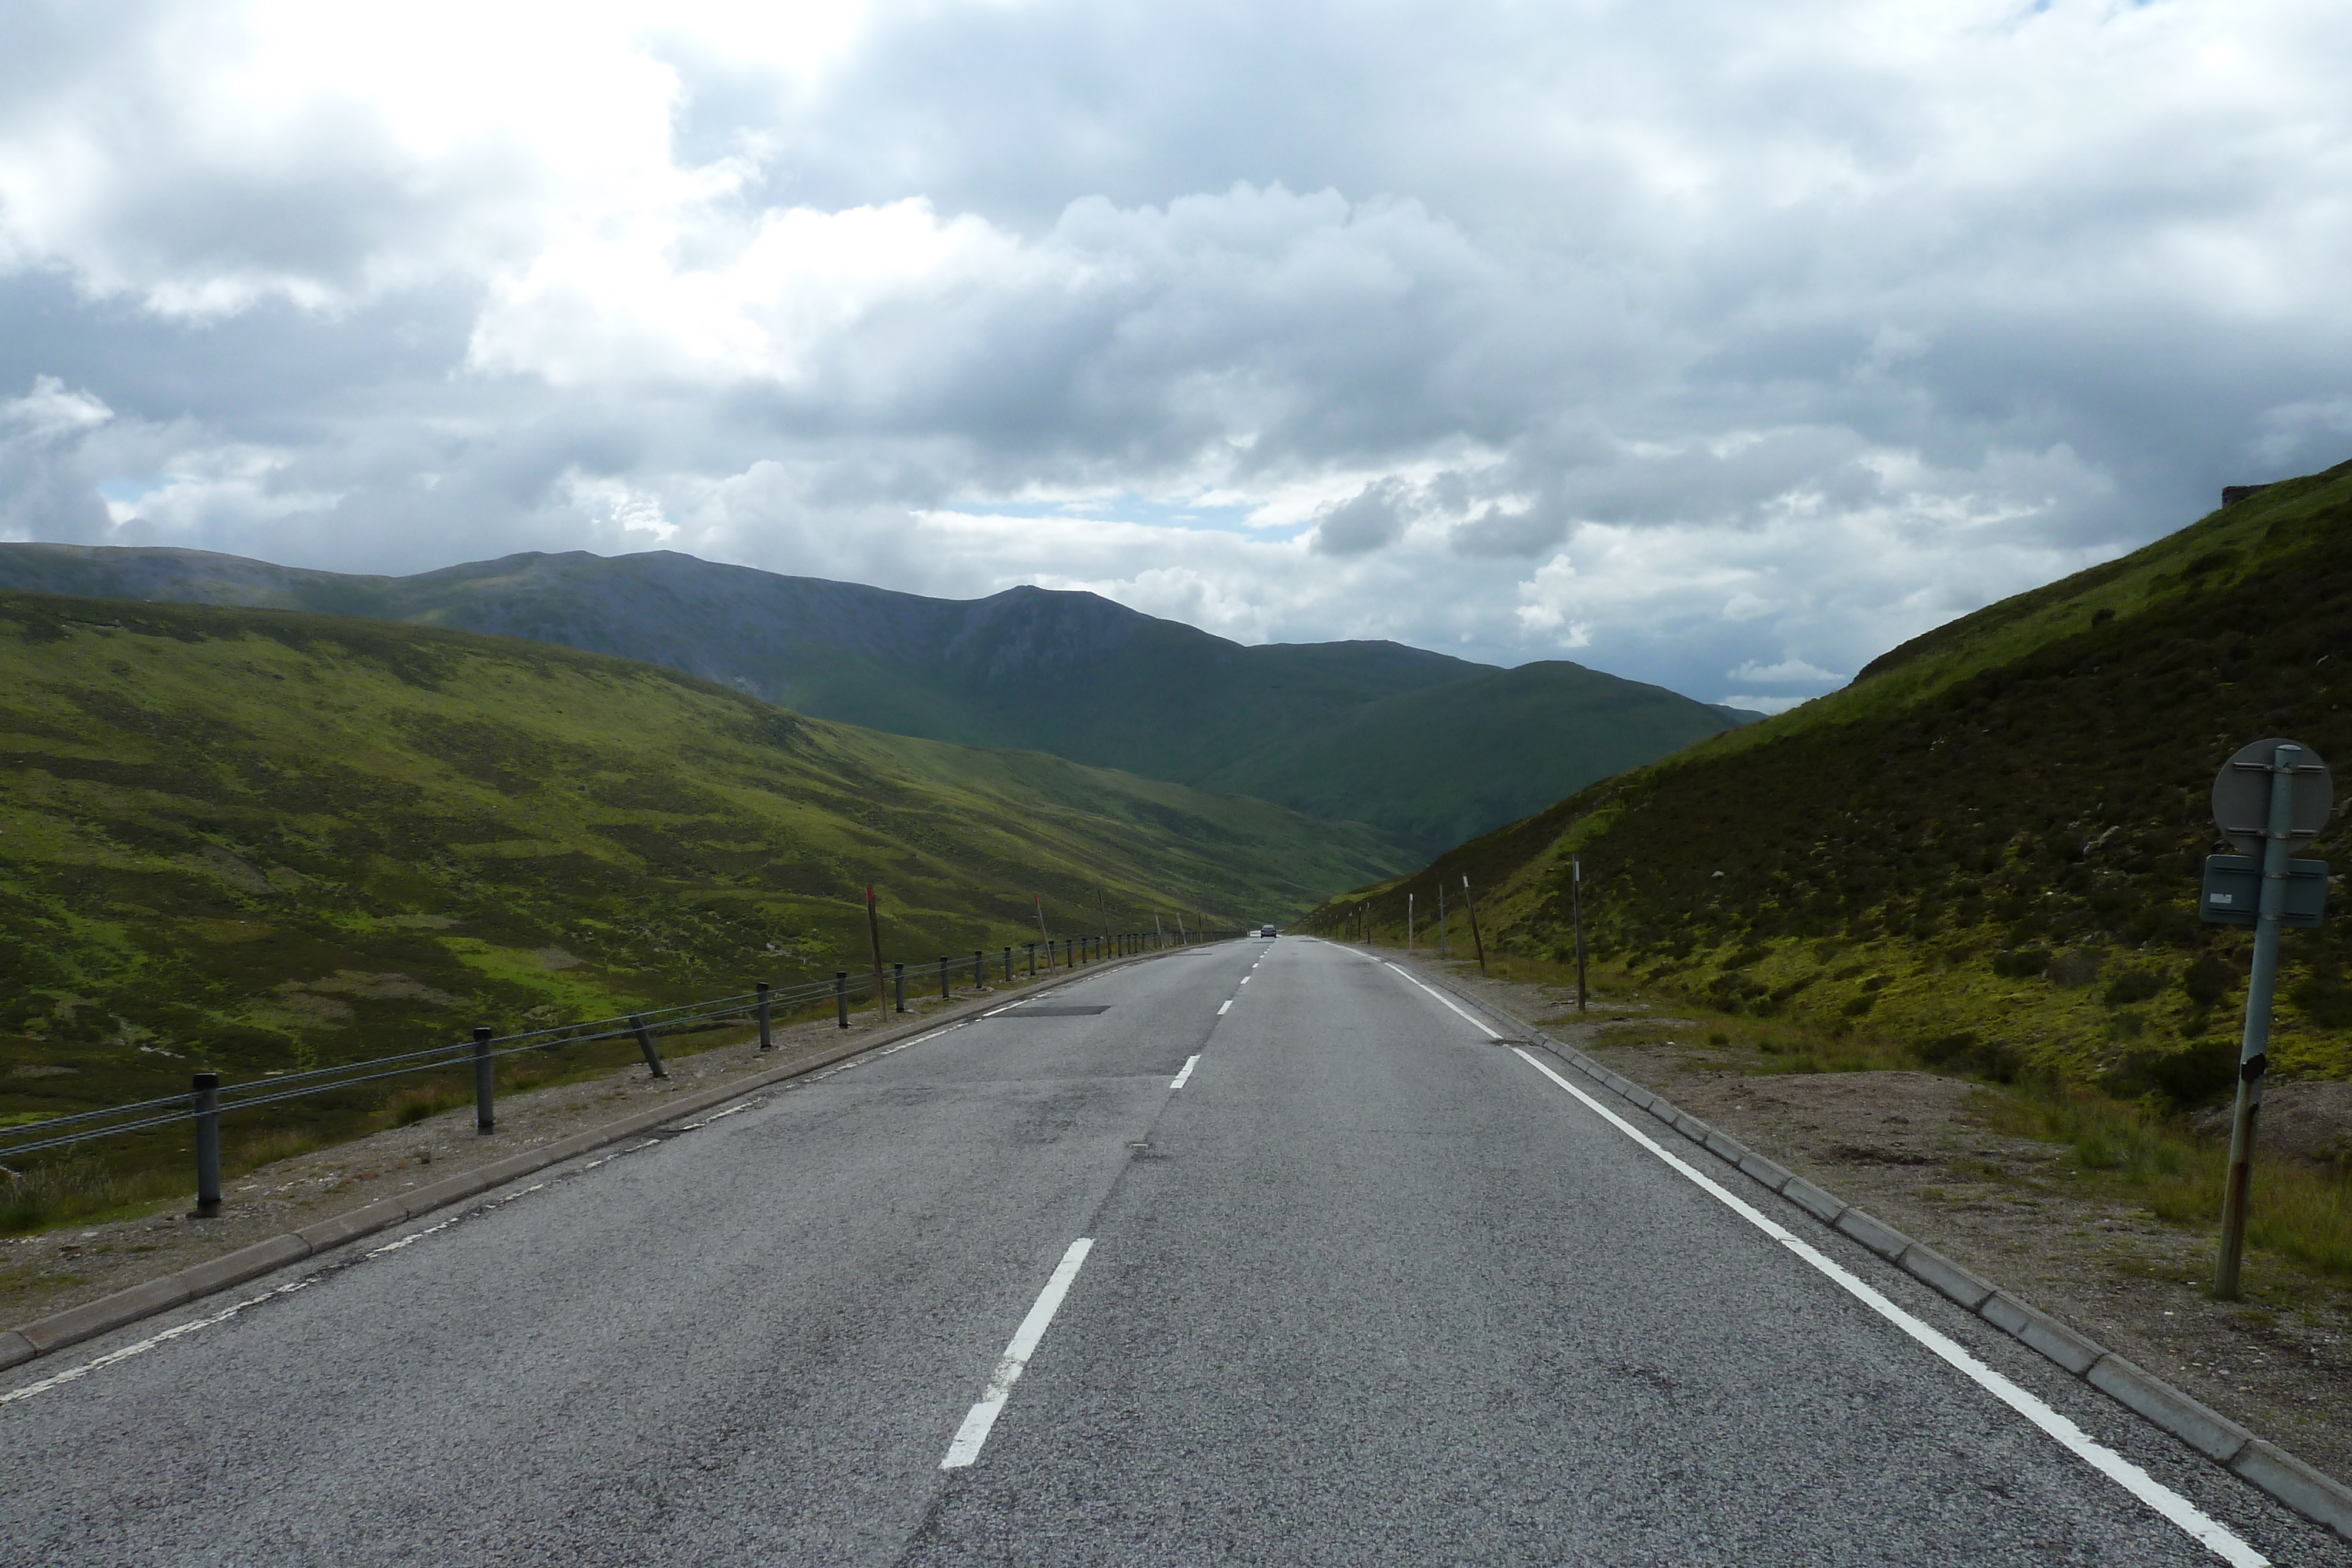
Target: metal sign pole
1471	905
1576	907
2253	1051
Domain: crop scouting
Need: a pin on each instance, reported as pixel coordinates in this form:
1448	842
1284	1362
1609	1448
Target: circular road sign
2241	796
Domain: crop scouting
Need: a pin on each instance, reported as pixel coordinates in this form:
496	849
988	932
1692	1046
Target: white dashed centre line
1225	1007
1177	1081
974	1431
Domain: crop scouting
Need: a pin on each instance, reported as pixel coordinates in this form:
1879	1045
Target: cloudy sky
1718	345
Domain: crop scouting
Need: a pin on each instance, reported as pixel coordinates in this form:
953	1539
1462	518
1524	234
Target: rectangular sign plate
2232	894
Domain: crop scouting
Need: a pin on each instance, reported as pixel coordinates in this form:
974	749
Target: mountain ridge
1029	668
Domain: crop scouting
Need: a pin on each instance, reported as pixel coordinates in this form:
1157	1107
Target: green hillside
263	840
1070	673
1445	763
1987	849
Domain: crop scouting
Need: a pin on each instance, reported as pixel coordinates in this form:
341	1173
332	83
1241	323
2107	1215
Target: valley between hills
1930	939
260	841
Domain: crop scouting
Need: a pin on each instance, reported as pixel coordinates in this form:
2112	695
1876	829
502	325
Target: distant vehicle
1265	930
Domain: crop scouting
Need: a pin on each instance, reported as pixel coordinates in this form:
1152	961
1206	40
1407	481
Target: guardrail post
841	995
1008	966
978	977
767	1037
1032	961
208	1107
943	976
899	986
645	1044
485	1083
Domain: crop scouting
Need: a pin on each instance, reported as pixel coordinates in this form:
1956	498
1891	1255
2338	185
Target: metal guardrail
81	1126
208	1097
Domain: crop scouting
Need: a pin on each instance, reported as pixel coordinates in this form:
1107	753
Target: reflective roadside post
2275	794
205	1100
485	1083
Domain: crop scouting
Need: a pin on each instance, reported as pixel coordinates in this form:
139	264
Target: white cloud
49	411
1548	603
1786	670
1678	337
1763	705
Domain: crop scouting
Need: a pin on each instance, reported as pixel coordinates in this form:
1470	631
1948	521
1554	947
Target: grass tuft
68	1191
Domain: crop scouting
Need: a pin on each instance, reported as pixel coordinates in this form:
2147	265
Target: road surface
1258	1253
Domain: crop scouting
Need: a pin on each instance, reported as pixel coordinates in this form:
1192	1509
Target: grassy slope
1987	849
1071	674
263	840
1443	765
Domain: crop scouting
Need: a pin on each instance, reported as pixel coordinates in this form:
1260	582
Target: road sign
2232	893
2271	796
2241	796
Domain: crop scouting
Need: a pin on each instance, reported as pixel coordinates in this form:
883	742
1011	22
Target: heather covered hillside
1987	849
259	840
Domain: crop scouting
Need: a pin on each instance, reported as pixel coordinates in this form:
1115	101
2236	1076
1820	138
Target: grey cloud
1375	516
1495	532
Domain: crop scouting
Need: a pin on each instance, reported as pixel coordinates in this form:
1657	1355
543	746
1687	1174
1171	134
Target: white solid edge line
1177	1081
1225	1006
2208	1533
1466	1018
974	1431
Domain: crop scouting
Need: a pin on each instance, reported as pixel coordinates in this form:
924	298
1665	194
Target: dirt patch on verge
1916	1150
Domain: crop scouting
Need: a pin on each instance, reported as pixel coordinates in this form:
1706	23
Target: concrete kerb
120	1309
2268	1468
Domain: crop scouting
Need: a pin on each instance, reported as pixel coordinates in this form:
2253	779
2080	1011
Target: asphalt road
1368	1288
